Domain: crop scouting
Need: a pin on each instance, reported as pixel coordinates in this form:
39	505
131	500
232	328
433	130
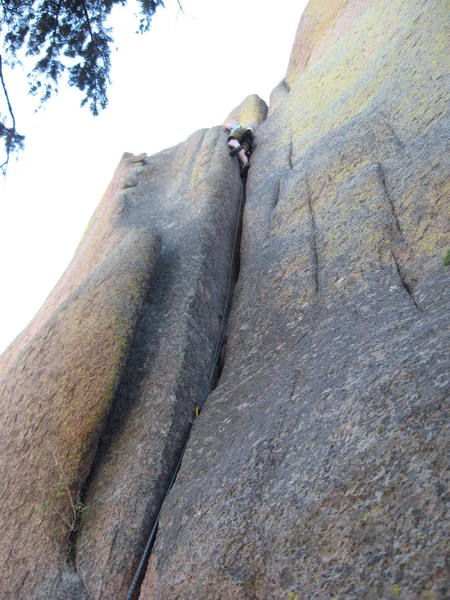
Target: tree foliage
69	40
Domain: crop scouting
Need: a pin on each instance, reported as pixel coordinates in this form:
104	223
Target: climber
240	140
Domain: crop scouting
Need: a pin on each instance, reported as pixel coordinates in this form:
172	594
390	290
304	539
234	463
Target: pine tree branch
101	30
7	130
52	30
88	19
5	91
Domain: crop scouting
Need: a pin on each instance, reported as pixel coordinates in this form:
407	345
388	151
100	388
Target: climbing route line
198	405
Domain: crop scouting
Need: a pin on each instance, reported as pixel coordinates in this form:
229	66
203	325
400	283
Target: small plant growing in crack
77	508
446	259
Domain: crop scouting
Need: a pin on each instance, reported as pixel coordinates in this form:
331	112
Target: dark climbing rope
198	406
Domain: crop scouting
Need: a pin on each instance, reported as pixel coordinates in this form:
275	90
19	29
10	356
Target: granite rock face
317	468
277	95
98	392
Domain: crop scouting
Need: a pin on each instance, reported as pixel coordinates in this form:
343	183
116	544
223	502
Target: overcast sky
186	73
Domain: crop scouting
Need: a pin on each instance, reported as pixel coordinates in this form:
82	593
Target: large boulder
250	112
317	468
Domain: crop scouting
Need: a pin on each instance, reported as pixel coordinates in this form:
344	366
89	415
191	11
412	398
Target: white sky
189	71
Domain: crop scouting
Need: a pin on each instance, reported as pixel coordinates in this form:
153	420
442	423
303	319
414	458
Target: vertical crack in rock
233	276
404	283
308	58
290	152
394	135
313	238
398	233
390	200
235	267
276	197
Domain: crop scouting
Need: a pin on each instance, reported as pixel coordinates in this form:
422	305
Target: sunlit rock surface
277	95
250	112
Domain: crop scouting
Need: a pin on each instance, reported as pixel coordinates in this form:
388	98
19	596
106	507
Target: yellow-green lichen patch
385	41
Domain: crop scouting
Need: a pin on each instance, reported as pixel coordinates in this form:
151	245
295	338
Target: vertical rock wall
317	469
97	393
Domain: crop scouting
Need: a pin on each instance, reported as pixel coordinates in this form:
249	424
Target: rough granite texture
317	468
321	26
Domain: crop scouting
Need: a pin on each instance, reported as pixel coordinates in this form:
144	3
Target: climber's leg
243	155
239	150
243	158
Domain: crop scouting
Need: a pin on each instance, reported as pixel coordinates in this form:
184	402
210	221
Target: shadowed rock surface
317	468
192	194
318	464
